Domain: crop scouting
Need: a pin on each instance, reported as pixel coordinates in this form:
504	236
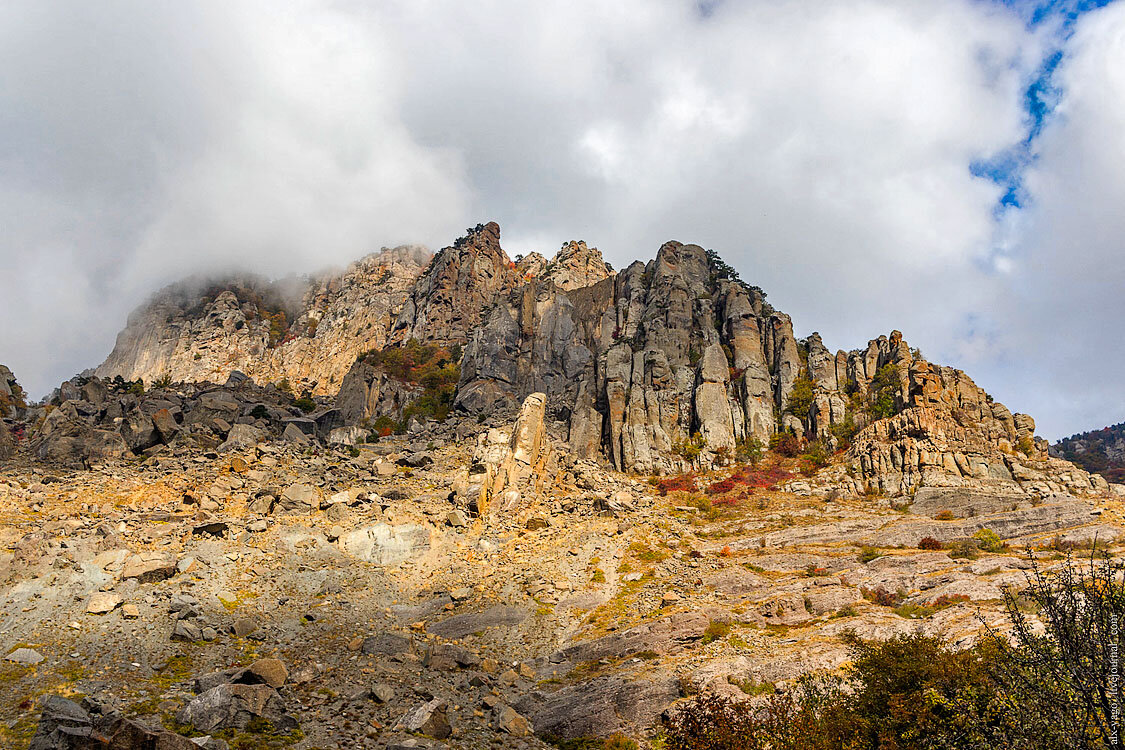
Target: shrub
749	450
928	542
964	549
716	630
260	412
680	483
801	397
815	457
868	553
882	596
785	444
690	448
988	540
884	389
305	404
943	515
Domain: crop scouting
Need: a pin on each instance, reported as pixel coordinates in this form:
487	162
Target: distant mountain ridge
1101	451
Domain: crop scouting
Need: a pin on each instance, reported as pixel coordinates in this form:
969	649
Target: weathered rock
234	706
149	567
101	602
241	437
429	719
65	725
385	544
299	498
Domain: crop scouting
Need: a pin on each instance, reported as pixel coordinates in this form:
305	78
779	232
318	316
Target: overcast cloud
824	149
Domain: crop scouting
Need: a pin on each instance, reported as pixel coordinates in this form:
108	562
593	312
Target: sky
954	170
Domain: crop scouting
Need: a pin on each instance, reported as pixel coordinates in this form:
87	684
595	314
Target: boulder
65	725
241	437
234	706
384	544
149	567
299	498
429	719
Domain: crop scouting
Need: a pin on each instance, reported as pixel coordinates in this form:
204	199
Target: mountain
1101	451
664	366
308	332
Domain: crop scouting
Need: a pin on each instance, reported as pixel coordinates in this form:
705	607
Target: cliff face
639	362
667	365
310	336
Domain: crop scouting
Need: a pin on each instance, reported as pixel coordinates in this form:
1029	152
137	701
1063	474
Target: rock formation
309	336
667	365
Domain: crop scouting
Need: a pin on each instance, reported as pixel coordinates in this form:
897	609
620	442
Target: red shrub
928	542
681	483
948	600
785	444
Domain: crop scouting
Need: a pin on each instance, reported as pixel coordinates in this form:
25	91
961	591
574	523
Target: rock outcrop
308	333
668	365
640	362
456	289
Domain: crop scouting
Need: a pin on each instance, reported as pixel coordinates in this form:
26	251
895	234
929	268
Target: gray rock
460	626
429	719
233	706
384	544
24	656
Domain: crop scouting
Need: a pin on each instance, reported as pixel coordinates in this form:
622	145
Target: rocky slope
664	366
472	584
551	501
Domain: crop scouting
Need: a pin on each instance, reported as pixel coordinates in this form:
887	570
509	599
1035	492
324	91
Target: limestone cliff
667	365
309	336
640	362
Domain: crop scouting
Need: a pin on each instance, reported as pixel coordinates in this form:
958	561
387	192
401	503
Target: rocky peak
576	266
639	362
456	289
306	332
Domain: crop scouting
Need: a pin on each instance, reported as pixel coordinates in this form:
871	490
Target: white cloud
822	148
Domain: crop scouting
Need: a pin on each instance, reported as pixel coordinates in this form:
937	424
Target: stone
669	598
241	437
299	498
295	435
234	706
384	544
187	631
130	611
24	656
65	725
149	567
510	721
102	602
429	719
269	671
243	627
383	693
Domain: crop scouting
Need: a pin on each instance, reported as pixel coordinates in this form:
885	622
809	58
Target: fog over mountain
953	170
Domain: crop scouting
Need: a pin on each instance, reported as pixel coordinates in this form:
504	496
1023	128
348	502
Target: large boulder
234	706
66	438
384	544
65	725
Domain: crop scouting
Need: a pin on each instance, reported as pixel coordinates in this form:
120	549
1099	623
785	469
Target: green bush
305	404
988	540
801	398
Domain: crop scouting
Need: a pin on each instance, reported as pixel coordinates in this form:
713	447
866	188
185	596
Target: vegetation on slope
1100	451
1043	690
